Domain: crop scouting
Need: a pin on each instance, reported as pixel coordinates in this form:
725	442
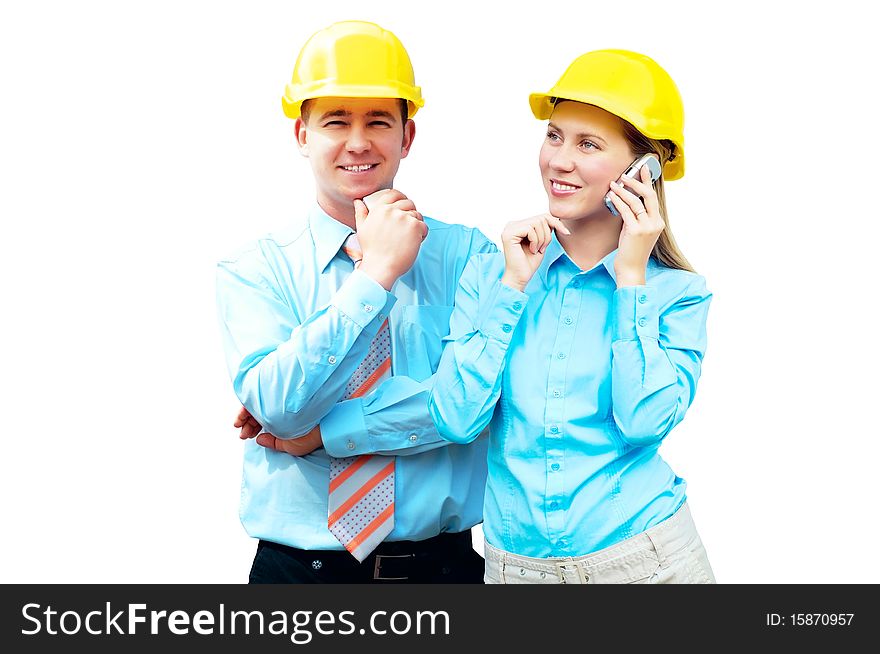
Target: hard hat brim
293	97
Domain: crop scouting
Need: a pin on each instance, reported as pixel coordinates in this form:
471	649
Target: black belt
394	561
391	561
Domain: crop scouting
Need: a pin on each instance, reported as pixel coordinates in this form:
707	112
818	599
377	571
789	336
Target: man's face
354	146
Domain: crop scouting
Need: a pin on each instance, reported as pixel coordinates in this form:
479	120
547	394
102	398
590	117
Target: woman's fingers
544	233
534	242
643	189
537	230
625	211
632	201
557	224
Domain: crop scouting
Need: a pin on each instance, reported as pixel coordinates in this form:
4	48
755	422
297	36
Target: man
332	340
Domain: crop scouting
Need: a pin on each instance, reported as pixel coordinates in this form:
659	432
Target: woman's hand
642	225
524	242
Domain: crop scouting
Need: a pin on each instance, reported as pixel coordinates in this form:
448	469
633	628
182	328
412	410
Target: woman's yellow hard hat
629	85
352	59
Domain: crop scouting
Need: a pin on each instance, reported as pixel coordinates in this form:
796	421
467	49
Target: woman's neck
591	239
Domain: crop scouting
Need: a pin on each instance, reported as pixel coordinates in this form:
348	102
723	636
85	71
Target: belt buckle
378	566
577	567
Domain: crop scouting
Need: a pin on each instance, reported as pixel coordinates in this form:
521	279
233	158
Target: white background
140	142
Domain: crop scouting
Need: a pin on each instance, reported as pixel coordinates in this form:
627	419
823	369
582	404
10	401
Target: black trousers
447	558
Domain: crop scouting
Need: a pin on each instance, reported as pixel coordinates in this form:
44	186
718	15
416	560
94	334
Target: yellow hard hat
352	59
629	85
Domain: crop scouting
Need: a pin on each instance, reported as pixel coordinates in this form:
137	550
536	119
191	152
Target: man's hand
390	232
249	425
295	446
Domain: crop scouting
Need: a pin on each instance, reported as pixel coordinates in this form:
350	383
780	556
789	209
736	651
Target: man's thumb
360	212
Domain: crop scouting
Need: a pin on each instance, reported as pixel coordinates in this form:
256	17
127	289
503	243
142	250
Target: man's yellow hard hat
629	85
352	59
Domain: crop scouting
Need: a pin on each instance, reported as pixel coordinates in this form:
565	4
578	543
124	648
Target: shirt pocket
422	330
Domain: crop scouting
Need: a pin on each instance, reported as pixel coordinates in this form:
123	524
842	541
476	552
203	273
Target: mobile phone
649	160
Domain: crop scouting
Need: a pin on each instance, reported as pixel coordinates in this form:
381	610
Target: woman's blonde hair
666	249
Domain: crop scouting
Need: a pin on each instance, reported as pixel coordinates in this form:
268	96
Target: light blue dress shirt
581	381
296	320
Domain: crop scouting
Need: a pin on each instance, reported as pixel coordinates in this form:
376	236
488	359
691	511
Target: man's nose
357	140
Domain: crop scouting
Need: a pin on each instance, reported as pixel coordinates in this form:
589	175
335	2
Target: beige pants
668	553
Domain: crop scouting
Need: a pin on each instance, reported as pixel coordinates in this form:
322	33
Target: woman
581	343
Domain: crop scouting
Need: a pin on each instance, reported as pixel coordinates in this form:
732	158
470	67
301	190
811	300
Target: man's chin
360	192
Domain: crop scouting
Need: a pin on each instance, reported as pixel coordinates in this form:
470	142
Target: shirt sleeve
289	373
394	418
468	381
656	359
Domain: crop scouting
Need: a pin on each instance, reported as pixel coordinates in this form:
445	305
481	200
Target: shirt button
331	359
517	306
413	438
554	429
576	283
368	308
642	322
642	299
557	393
554	467
561	355
567	320
506	328
350	445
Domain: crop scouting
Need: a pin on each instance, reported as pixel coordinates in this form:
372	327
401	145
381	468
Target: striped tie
361	497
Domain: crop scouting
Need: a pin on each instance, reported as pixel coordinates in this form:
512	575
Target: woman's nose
562	160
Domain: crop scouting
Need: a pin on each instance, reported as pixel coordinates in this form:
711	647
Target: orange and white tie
361	497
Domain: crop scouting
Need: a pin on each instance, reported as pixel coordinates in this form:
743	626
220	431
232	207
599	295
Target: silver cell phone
649	160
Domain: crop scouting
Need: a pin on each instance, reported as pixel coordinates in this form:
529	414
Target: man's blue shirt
296	321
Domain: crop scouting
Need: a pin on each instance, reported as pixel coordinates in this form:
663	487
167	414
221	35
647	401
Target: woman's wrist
629	277
513	282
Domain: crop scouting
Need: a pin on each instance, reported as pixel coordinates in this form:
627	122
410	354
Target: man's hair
402	104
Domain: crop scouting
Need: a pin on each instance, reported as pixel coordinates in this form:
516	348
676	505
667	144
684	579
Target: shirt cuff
503	311
635	314
344	431
363	299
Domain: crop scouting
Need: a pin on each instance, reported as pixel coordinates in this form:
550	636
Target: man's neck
343	214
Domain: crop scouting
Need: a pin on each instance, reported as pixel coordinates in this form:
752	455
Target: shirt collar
608	262
555	251
328	235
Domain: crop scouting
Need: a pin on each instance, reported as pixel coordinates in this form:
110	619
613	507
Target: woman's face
584	151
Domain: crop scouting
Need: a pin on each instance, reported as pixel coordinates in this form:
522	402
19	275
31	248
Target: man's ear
301	132
409	134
